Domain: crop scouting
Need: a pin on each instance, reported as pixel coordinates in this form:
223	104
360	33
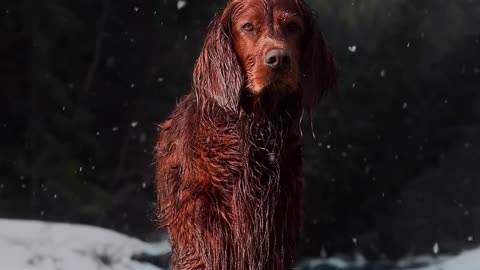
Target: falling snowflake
435	248
134	124
383	73
352	48
323	253
135	9
181	4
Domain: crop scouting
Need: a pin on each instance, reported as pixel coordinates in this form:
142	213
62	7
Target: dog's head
261	46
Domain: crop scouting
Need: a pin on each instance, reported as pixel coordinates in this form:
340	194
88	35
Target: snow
181	4
468	260
435	248
383	73
336	263
34	245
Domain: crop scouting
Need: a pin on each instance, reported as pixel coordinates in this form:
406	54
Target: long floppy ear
217	74
319	69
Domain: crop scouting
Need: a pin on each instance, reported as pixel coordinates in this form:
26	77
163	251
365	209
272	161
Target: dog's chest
228	155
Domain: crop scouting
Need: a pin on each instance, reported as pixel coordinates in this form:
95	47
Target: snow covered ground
34	245
469	260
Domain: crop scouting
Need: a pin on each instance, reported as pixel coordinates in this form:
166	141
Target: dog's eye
248	27
293	27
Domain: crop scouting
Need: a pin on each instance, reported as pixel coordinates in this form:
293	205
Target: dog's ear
217	73
319	68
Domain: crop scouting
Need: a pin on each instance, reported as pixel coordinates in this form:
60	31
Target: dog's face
267	37
263	46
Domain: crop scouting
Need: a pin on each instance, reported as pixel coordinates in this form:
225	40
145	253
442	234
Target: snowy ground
468	260
33	245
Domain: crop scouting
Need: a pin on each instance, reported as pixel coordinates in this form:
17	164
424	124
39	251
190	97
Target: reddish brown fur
228	160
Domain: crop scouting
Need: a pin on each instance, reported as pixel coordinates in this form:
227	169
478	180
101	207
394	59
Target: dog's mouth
281	82
278	82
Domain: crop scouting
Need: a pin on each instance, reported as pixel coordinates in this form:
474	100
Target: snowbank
468	260
32	245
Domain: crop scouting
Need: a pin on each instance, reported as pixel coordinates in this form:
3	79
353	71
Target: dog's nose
277	59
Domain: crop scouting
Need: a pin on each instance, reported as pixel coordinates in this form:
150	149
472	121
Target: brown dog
229	159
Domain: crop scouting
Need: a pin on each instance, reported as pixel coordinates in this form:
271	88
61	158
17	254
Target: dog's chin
276	87
268	95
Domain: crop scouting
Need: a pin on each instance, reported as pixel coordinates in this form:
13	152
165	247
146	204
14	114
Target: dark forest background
395	167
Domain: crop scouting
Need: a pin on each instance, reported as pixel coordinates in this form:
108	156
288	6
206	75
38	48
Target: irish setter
229	159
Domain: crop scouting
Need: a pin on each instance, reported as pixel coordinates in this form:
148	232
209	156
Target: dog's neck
265	119
270	104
